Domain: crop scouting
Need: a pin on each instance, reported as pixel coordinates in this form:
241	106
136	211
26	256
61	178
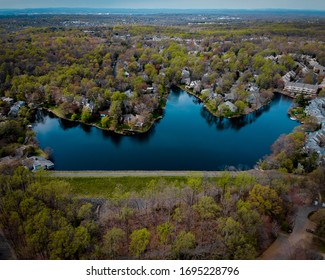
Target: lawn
111	187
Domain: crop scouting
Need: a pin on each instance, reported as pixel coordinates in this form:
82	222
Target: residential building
300	88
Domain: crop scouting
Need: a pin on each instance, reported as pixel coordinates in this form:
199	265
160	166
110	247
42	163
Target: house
253	88
231	106
104	113
319	69
40	163
252	98
300	88
15	109
207	91
8	100
271	57
129	93
185	74
196	86
214	95
136	120
288	76
186	81
230	96
89	105
149	89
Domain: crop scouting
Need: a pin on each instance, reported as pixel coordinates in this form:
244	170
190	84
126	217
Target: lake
188	137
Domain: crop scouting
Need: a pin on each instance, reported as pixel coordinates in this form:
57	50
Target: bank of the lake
188	137
199	96
130	131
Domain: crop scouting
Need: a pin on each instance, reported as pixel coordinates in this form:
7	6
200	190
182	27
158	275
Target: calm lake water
187	138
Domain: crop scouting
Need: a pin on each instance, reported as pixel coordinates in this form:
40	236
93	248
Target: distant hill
103	11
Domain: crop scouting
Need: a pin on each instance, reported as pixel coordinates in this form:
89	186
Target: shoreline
126	132
120	132
217	116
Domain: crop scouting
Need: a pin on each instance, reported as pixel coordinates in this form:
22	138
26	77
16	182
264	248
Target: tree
85	115
243	181
139	241
266	200
206	207
241	106
105	122
249	218
164	232
113	241
183	243
115	113
238	244
224	181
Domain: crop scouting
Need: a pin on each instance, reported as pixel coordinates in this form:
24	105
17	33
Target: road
284	246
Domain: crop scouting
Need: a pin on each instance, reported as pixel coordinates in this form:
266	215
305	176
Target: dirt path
284	246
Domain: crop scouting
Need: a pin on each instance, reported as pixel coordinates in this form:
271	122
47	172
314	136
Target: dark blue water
187	138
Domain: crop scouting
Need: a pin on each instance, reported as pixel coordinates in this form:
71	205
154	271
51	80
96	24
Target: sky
168	4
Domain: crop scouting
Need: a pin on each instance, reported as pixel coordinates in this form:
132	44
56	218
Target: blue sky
177	4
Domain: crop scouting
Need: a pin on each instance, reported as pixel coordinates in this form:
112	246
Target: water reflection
86	128
145	137
114	137
222	123
65	124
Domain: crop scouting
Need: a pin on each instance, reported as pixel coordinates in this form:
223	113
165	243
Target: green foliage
237	241
10	132
113	241
206	207
43	219
265	200
86	115
105	122
241	106
165	231
139	241
183	243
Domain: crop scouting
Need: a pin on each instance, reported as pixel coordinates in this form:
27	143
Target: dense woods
226	217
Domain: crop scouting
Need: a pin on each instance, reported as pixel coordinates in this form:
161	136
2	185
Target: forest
195	217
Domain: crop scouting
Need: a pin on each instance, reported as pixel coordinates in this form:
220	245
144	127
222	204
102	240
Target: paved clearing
284	246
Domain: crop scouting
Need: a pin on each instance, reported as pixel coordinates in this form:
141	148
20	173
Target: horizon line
172	9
